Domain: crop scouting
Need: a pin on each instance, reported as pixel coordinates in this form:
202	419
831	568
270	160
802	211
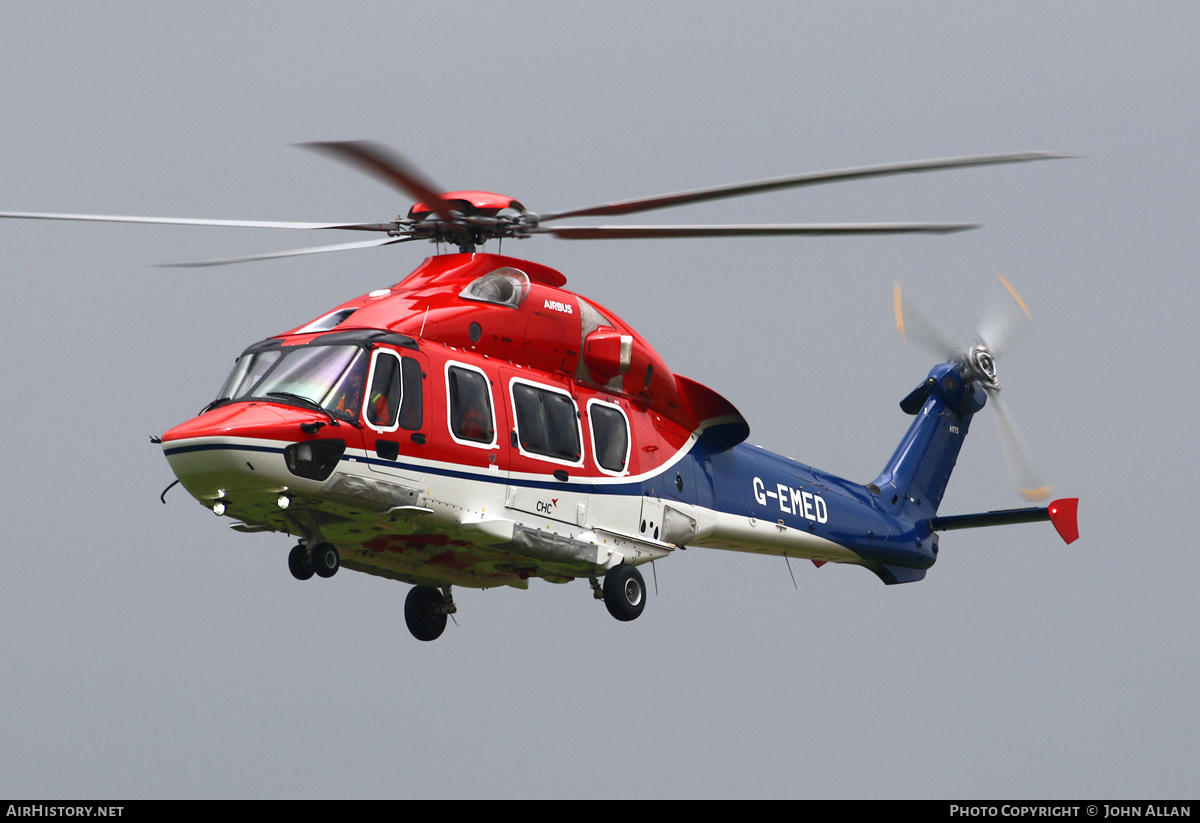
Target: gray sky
149	651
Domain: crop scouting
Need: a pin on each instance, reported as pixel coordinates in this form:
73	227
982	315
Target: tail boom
1062	514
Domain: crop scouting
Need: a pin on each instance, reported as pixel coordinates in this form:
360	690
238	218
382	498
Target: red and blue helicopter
478	425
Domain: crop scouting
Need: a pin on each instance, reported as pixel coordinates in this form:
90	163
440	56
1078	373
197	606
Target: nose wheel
624	592
323	561
299	564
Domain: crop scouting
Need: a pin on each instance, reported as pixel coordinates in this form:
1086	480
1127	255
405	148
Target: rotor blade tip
1020	300
1045	155
1034	495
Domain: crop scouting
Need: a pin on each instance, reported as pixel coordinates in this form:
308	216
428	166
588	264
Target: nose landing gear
299	563
323	561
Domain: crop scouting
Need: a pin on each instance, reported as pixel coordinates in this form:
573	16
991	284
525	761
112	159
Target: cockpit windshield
247	371
331	377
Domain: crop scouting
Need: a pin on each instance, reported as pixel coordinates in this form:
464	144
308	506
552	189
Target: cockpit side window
383	398
394	399
412	413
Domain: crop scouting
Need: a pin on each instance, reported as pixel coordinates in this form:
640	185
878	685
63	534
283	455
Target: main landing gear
624	592
425	611
323	561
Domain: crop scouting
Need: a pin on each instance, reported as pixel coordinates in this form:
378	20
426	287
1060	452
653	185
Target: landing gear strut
425	611
624	592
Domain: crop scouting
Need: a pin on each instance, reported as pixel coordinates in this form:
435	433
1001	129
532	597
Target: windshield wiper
305	401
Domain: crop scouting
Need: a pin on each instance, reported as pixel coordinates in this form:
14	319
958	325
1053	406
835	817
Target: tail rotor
1005	324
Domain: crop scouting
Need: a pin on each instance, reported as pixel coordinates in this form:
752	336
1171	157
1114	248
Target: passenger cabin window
610	436
547	422
471	418
395	396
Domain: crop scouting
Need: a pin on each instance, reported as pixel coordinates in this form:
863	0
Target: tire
421	613
298	563
325	559
625	592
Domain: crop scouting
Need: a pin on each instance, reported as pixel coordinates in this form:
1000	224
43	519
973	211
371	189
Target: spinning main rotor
467	219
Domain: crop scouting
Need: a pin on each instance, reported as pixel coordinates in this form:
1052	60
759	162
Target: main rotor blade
187	221
640	232
1006	322
225	261
914	326
1027	482
814	178
389	166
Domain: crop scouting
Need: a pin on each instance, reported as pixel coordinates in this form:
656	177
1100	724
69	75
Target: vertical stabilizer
915	478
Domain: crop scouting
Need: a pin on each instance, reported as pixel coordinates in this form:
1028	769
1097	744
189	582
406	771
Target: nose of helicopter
253	454
237	419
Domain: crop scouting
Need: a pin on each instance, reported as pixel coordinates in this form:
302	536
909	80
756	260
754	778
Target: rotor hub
981	364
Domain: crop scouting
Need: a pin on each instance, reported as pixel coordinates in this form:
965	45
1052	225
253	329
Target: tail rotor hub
982	365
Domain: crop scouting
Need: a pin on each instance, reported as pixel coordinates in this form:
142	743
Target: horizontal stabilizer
1061	513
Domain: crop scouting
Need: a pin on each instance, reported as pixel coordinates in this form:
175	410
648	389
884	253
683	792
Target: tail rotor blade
1004	326
914	326
1006	322
1027	482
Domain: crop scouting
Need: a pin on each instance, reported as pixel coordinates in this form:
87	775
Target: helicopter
477	425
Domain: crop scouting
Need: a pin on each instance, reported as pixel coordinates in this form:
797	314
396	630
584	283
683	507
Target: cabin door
396	413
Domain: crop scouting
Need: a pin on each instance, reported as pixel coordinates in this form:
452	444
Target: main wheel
624	592
422	613
298	563
325	559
